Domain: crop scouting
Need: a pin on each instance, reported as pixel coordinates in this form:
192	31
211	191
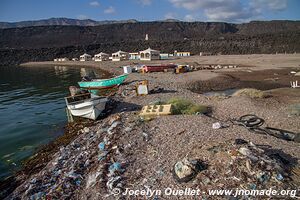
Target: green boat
99	84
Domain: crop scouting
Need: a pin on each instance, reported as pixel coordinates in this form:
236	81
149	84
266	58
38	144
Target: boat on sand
101	84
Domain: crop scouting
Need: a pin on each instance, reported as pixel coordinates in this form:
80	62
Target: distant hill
61	22
38	43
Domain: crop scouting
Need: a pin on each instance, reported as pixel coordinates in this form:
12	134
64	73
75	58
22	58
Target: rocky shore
123	153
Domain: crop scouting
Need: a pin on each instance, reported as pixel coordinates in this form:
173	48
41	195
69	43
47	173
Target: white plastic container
127	69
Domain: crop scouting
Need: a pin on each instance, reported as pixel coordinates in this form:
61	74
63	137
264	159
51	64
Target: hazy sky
148	10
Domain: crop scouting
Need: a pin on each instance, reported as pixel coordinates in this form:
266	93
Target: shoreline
177	86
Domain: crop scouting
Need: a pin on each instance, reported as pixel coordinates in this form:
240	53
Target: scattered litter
279	177
101	146
115	167
142	88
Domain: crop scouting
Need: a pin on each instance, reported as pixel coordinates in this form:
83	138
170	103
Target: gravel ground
148	150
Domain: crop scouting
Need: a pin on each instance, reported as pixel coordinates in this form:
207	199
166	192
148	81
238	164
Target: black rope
254	124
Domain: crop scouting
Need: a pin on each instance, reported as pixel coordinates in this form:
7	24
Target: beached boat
86	105
158	67
100	84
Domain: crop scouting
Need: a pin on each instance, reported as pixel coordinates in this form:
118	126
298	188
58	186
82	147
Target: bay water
32	109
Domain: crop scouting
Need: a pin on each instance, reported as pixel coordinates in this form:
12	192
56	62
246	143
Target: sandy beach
148	150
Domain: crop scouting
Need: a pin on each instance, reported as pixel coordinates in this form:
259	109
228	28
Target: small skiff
86	105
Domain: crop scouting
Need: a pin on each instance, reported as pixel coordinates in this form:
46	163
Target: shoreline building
134	56
150	54
85	57
182	53
101	57
205	54
120	55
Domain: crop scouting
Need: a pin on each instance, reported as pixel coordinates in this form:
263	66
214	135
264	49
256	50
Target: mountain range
67	22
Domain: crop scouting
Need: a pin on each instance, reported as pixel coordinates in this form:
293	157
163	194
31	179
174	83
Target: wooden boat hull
157	68
100	83
88	108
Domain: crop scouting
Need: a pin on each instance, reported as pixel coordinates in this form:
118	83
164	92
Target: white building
182	53
64	59
85	57
101	57
134	56
205	54
149	54
120	55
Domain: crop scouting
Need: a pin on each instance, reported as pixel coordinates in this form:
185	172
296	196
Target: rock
128	129
86	130
146	136
185	170
217	125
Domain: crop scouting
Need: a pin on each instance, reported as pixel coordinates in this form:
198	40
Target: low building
205	54
149	54
164	56
101	57
134	56
64	59
85	57
182	53
61	59
74	59
120	55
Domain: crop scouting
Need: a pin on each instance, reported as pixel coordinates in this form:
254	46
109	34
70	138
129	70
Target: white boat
86	105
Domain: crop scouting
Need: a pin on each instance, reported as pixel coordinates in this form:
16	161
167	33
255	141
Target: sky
236	11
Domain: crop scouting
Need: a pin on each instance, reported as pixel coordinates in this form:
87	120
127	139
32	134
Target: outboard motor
86	78
74	90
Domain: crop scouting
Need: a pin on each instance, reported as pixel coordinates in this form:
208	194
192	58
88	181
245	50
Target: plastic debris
112	127
217	125
279	177
115	167
101	146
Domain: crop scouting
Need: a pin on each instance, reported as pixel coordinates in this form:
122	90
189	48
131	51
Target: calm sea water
32	109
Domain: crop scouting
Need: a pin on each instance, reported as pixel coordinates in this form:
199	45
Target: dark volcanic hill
37	43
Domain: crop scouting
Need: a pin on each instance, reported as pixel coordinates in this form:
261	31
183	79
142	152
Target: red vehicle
158	67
